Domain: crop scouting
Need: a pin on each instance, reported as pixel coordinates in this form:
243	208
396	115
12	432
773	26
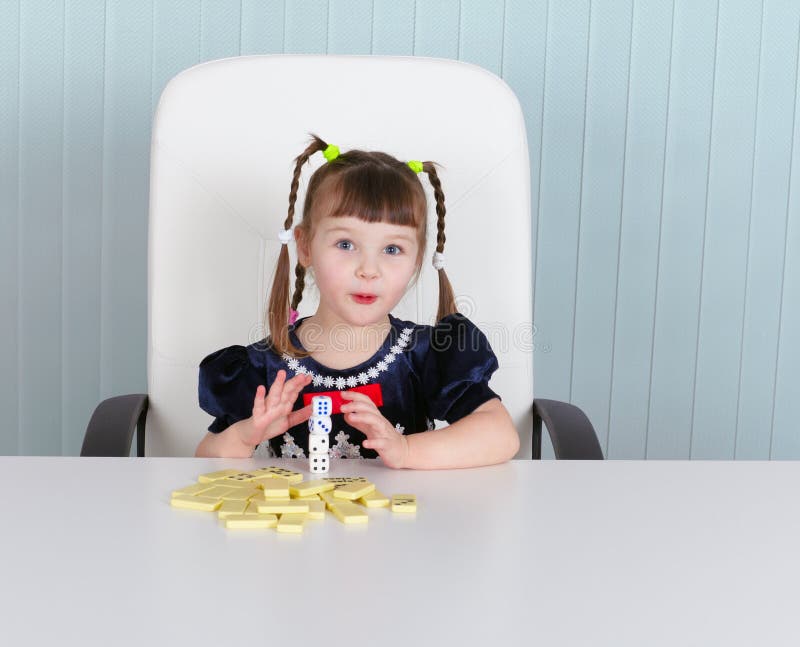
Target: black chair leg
536	450
140	433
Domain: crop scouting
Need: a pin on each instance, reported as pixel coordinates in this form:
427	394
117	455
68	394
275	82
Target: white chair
224	139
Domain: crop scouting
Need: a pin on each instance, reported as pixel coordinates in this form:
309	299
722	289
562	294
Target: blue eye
399	250
346	242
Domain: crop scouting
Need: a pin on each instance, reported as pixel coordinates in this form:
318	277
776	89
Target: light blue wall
665	183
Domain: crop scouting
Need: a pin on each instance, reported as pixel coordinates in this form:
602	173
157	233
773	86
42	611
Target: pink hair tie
293	314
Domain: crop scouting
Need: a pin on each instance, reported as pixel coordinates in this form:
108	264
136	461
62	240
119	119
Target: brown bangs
376	193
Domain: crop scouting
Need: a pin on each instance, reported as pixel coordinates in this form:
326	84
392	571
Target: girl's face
354	260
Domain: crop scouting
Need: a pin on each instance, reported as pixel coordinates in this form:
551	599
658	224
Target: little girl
363	235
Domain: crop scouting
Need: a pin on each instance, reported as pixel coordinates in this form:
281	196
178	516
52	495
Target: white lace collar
365	375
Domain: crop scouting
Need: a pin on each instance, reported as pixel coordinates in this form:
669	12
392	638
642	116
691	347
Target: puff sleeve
227	386
457	369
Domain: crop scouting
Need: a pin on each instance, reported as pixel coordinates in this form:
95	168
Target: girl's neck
334	339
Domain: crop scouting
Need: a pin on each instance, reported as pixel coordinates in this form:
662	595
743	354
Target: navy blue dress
426	373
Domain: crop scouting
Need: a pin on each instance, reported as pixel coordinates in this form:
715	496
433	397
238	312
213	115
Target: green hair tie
415	166
331	153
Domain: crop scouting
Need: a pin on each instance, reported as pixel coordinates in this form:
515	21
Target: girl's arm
485	437
272	416
228	443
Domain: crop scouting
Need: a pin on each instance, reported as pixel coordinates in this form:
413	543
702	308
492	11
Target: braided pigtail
299	285
447	301
279	305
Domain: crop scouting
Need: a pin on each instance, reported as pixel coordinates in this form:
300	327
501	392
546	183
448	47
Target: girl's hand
362	414
272	412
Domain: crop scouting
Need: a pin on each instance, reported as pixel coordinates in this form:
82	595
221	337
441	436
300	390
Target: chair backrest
225	136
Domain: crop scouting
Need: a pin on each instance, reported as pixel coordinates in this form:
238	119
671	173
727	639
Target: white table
584	553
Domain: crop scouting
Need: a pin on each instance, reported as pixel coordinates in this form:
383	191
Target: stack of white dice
319	426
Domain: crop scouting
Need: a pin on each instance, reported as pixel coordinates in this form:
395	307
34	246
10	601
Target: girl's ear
303	252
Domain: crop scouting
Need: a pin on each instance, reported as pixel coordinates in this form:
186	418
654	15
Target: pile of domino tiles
274	497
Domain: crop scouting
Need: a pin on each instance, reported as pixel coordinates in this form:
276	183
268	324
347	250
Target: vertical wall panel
170	54
601	205
682	229
84	39
523	68
40	249
728	212
773	150
641	209
350	27
220	29
393	27
306	29
559	197
9	226
262	26
126	144
436	28
481	39
785	435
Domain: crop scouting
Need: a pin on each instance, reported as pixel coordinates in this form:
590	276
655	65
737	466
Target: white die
318	443
321	405
320	425
318	463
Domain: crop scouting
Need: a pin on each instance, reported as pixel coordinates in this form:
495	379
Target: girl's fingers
301	415
359	407
355	396
377	444
292	389
298	383
276	390
281	396
369	425
258	401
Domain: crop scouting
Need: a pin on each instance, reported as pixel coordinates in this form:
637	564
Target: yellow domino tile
374	499
229	508
261	472
252	507
316	509
282	506
241	494
310	487
347	512
329	499
276	488
259	481
194	489
339	481
289	475
241	477
404	503
279	472
292	522
251	521
353	491
219	491
215	476
232	482
310	497
189	502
